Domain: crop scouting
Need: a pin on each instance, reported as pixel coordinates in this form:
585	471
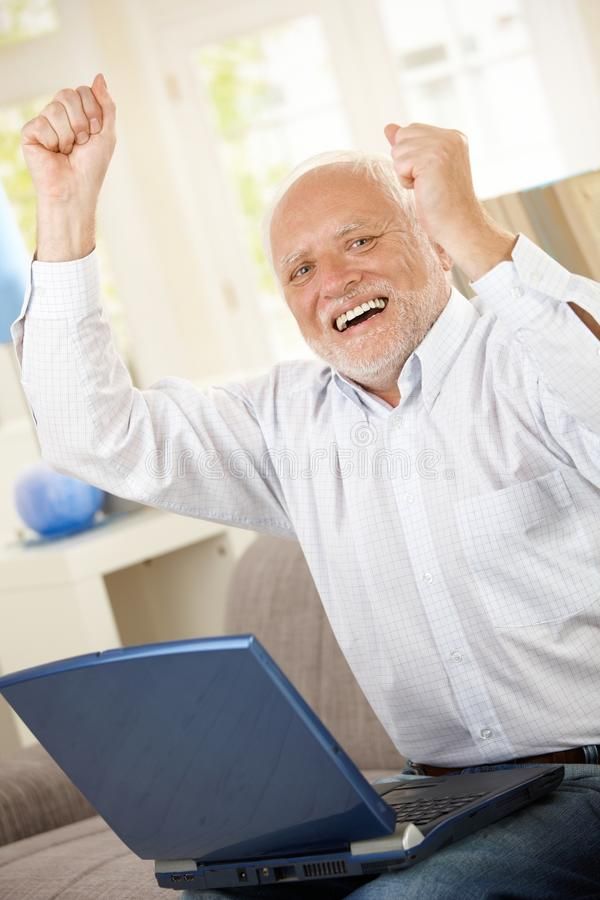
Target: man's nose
337	277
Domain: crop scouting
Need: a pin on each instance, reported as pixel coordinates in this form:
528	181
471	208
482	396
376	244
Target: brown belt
589	754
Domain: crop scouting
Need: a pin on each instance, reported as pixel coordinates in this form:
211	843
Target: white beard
408	318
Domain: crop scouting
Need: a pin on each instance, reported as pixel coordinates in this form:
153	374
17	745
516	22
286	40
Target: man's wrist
64	233
483	243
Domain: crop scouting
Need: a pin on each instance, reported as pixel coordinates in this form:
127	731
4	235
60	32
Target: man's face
338	242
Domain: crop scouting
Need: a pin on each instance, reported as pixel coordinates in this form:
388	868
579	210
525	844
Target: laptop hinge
404	837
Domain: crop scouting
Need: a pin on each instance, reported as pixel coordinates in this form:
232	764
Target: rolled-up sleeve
199	453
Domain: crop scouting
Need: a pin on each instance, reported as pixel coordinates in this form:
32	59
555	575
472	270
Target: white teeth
357	311
341	321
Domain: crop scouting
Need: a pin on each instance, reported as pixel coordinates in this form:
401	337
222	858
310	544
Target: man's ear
445	260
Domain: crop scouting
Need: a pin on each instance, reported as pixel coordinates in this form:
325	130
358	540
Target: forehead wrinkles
325	195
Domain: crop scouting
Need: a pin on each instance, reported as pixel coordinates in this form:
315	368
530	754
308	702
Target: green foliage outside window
243	102
13	171
24	19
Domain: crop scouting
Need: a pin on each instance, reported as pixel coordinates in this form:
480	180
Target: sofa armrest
36	796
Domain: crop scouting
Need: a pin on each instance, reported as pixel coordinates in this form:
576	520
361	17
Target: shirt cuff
63	290
521	290
530	278
58	290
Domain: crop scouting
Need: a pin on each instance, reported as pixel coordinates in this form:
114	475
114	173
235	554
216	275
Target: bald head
376	165
360	276
324	191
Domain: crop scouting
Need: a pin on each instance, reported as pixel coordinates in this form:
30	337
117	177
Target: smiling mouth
360	313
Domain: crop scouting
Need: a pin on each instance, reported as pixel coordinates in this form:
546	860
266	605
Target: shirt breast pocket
529	553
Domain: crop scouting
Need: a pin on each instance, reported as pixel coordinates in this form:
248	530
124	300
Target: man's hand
434	162
68	148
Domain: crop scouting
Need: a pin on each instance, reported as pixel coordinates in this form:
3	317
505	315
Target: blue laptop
202	756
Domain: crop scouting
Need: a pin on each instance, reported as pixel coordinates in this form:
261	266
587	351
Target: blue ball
54	504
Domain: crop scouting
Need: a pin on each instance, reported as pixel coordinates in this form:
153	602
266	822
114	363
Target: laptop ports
284	873
242	876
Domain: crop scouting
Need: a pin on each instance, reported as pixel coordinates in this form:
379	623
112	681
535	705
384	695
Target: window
24	19
274	102
469	65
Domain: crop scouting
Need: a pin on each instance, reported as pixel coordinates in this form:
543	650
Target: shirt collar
436	354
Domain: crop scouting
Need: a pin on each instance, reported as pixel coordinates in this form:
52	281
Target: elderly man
440	467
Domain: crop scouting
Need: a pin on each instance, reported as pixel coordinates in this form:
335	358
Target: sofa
52	843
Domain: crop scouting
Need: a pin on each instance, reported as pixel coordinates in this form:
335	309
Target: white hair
376	166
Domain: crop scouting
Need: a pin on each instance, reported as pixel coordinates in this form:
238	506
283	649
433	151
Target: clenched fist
434	163
68	148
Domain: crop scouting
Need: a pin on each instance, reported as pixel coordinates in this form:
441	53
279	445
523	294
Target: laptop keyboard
422	811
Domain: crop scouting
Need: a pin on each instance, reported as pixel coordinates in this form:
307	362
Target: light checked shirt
454	539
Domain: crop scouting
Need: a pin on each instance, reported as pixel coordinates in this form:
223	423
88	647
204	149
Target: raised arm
554	314
197	453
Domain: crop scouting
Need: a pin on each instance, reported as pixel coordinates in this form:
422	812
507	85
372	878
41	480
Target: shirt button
456	656
427	577
486	733
410	498
516	292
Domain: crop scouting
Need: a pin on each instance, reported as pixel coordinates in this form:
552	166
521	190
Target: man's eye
362	242
300	272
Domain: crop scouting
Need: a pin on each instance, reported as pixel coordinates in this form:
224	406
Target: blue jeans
547	851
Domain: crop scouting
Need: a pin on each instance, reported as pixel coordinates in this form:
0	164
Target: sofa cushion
82	861
36	795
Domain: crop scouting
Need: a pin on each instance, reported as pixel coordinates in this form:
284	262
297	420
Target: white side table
144	576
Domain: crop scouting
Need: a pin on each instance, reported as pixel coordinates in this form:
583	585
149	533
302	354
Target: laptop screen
197	750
